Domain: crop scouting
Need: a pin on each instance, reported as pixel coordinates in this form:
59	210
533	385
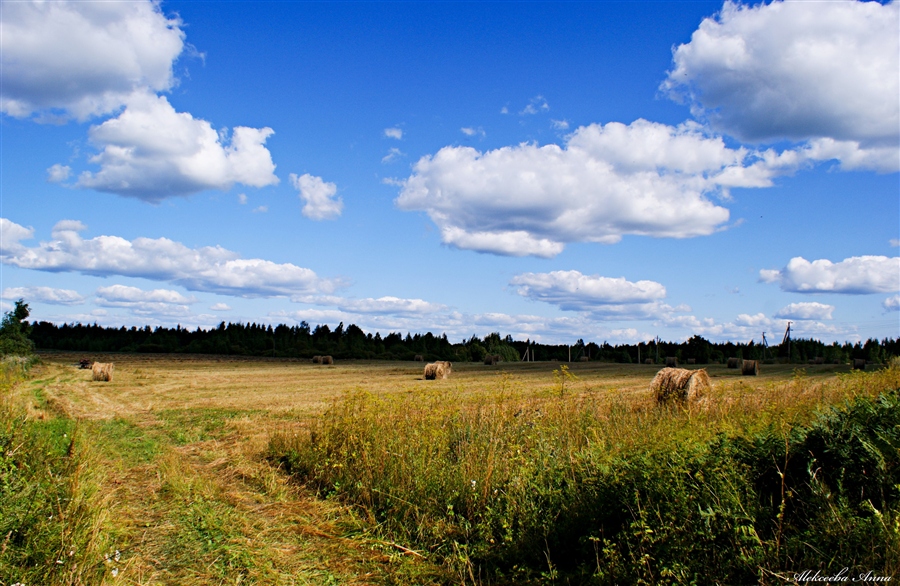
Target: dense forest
302	341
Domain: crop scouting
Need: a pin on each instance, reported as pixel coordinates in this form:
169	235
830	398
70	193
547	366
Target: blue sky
611	171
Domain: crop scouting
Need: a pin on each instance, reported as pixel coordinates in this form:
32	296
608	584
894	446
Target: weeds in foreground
52	512
592	488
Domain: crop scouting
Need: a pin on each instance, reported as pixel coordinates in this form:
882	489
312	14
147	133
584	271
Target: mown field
209	470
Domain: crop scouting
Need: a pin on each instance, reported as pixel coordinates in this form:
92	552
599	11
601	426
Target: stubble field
177	449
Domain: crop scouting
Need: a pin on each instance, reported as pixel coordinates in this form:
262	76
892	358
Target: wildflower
117	556
115	572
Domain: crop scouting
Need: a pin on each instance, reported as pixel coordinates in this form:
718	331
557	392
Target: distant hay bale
419	358
327	360
680	385
584	359
750	367
819	360
671	362
317	359
102	371
491	359
648	361
733	362
692	361
859	364
84	364
437	370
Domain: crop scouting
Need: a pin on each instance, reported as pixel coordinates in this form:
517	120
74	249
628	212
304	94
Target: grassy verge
569	487
52	511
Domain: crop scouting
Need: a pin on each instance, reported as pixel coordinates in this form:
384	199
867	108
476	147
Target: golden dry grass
182	437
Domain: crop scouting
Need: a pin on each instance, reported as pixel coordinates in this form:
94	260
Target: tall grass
591	487
51	509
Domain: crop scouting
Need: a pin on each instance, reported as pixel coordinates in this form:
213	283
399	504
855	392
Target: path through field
191	499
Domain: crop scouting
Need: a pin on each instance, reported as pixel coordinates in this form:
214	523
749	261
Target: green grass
593	488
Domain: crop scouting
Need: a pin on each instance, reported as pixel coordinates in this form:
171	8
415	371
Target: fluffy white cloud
220	307
382	305
607	181
806	310
471	131
892	303
58	173
11	235
151	152
396	133
211	268
158	302
319	197
44	295
855	275
79	59
573	291
795	70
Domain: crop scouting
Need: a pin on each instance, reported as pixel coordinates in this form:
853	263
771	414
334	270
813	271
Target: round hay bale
750	367
327	360
733	362
648	361
317	360
438	370
692	361
859	364
102	371
491	359
680	385
671	362
419	358
819	360
584	359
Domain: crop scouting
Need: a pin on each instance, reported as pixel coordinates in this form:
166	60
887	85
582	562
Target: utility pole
787	338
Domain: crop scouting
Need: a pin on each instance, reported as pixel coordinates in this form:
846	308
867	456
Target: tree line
351	342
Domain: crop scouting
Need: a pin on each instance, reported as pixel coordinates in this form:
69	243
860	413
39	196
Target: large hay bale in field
491	359
671	362
438	370
317	360
859	364
584	359
750	367
733	362
419	358
327	360
648	361
102	371
680	385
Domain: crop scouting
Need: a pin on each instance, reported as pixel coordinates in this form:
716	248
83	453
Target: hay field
190	499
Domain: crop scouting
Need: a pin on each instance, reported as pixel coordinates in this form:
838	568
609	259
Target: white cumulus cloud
210	268
607	181
158	302
58	173
395	132
48	295
795	70
319	195
892	303
151	152
80	59
805	310
854	275
603	297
